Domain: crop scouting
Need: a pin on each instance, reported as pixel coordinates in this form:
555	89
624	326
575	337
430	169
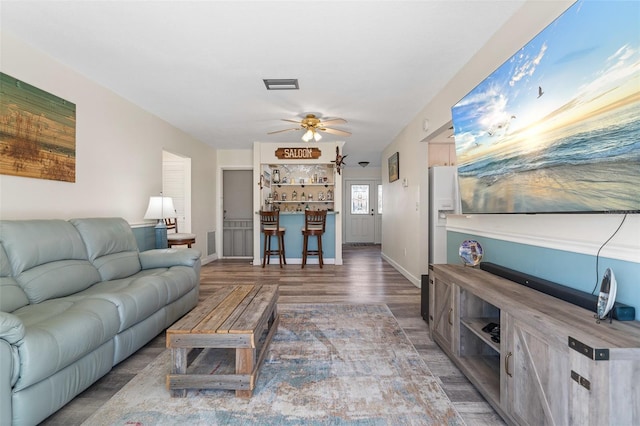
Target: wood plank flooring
363	278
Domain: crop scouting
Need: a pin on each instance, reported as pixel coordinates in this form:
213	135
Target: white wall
358	172
403	227
118	152
404	208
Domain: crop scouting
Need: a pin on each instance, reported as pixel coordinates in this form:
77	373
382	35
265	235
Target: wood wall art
37	132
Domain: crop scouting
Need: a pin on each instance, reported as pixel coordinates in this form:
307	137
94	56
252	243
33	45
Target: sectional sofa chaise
76	298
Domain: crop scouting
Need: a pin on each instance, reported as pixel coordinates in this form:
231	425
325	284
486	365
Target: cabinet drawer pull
506	364
451	316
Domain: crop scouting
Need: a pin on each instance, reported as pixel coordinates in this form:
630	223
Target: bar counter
294	222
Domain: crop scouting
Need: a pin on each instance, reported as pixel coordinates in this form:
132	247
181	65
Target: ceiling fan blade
280	131
335	131
291	121
334	121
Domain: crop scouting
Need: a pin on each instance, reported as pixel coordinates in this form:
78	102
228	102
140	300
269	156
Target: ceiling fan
313	125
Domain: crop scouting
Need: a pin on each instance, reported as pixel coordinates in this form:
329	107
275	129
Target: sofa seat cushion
59	332
135	298
179	280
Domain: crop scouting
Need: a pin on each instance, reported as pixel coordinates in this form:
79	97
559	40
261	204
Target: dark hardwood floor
363	278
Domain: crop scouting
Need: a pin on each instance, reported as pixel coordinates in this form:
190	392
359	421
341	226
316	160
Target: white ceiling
199	65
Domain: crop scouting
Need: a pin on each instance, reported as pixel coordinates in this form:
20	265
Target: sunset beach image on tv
556	128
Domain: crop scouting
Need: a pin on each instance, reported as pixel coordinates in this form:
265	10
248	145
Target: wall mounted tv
556	129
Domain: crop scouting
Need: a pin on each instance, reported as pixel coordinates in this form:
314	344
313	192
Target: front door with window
362	211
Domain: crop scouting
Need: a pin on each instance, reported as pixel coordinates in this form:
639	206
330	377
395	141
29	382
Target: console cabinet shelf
536	368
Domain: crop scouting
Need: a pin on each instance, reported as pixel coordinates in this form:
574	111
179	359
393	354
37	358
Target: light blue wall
145	237
570	269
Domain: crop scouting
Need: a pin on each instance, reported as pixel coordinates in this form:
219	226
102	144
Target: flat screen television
556	129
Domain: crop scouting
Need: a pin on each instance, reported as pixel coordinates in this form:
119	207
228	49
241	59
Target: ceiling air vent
281	83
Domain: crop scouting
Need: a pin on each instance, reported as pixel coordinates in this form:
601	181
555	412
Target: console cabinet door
602	391
443	314
535	373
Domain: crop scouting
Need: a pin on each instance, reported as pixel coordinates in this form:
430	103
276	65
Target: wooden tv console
552	364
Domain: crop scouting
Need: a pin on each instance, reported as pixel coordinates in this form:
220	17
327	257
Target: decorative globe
470	252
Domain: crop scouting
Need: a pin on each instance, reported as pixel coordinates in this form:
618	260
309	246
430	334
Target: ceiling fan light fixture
281	83
308	135
317	136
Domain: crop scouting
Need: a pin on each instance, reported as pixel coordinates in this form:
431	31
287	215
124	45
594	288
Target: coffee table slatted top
237	309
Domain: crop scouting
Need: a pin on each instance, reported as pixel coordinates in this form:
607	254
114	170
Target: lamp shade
308	135
160	208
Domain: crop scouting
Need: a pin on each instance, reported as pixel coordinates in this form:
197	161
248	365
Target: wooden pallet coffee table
242	317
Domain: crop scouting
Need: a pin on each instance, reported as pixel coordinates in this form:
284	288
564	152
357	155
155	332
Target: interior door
237	205
361	211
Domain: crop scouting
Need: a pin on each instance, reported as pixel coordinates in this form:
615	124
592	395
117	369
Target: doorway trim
346	202
222	213
220	205
183	191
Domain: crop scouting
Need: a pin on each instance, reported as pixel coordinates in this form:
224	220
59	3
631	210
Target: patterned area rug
328	364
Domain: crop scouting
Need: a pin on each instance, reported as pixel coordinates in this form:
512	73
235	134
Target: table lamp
160	208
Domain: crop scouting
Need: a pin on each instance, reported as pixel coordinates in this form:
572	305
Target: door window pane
359	199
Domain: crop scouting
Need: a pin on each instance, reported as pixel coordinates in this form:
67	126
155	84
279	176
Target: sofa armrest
11	328
6	382
11	331
166	258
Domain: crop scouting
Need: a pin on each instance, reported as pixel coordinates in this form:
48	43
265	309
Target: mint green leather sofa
76	298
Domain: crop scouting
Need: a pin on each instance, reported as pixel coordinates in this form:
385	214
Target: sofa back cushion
48	258
111	246
12	296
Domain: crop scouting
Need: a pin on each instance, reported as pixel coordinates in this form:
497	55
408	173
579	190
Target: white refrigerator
443	201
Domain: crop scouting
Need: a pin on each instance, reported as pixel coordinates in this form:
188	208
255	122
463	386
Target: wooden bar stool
314	225
270	227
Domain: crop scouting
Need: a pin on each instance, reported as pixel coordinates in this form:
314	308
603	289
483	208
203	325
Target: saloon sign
298	153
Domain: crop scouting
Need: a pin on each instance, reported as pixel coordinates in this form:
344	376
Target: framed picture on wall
394	167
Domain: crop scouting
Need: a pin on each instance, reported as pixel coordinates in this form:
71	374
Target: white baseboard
414	280
209	259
